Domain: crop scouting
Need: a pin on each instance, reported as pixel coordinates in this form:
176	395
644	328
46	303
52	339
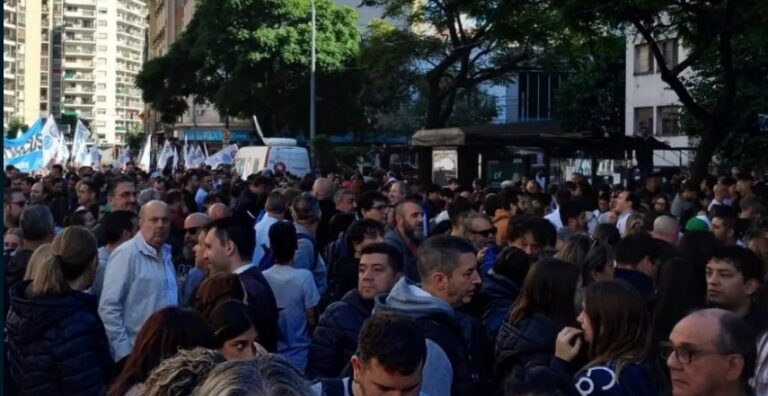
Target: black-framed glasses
683	354
379	207
485	233
192	230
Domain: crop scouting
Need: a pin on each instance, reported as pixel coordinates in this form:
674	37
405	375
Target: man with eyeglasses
711	352
192	225
479	230
12	207
373	206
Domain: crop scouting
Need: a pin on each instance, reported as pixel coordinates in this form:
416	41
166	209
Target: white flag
52	141
196	157
79	149
224	156
165	155
95	157
205	148
185	151
144	159
87	160
175	158
123	159
62	156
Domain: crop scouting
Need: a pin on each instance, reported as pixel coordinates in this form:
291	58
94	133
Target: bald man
667	229
219	211
37	194
711	352
193	225
139	280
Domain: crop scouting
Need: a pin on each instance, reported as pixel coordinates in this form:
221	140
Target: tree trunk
434	104
711	138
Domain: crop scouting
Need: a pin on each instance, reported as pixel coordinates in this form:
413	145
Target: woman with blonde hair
56	341
37	260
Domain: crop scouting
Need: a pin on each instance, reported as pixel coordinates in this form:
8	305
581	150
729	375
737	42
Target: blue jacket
496	295
56	345
335	338
601	380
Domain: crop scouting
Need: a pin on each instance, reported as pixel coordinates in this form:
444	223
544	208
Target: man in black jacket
335	338
449	280
228	249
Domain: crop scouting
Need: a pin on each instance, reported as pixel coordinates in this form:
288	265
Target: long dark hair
548	289
162	335
619	319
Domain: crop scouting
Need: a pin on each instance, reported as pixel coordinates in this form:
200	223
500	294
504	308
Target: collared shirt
554	218
621	223
243	268
98	282
261	230
138	281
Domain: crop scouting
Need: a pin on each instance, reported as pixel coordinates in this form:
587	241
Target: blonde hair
73	252
39	257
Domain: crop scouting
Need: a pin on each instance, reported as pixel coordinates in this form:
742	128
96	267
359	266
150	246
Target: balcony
79	26
79	38
72	76
78	102
78	51
80	91
81	2
78	65
85	14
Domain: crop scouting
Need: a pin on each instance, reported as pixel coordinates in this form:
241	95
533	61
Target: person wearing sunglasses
13	205
710	352
479	230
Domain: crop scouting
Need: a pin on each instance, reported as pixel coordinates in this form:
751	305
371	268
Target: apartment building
10	55
652	107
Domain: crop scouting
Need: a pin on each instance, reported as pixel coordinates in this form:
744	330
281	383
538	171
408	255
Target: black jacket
525	349
263	307
56	345
335	339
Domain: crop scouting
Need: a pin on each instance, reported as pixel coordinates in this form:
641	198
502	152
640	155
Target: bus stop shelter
466	152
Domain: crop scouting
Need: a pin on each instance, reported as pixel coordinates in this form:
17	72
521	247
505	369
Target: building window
101	86
101	61
102	48
643	121
102	136
643	59
669	49
102	23
101	123
102	10
102	36
101	111
101	99
668	121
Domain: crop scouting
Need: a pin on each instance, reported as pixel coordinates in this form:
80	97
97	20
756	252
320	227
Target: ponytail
73	252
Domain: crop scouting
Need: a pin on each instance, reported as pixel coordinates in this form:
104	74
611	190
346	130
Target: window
669	49
102	36
101	123
102	136
668	121
643	121
643	59
101	111
101	61
101	86
102	48
102	10
101	99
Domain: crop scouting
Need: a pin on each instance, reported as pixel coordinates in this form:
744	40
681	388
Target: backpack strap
309	238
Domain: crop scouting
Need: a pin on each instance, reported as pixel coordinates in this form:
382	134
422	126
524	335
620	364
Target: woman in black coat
56	344
525	343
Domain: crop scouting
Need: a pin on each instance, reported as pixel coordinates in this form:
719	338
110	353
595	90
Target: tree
463	44
592	96
717	36
250	57
14	126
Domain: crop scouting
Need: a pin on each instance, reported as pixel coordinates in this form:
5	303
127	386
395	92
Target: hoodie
461	337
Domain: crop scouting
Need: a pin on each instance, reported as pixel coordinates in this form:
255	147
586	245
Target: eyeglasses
683	354
379	207
192	230
485	233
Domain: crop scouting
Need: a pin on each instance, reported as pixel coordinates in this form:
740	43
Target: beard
415	234
188	254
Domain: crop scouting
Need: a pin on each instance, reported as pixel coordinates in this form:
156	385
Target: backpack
269	258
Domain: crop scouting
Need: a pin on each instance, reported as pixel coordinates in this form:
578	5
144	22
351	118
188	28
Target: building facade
652	107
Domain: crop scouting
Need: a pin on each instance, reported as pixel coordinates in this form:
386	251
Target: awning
216	135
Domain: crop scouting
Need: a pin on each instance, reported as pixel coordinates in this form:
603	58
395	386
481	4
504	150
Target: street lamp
312	90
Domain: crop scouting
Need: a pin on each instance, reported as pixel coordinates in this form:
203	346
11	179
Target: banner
224	156
165	155
26	151
145	157
52	141
196	157
79	149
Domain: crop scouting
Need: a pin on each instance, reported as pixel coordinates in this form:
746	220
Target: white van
278	153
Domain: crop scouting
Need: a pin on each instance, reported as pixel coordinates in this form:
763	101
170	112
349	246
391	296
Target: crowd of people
200	282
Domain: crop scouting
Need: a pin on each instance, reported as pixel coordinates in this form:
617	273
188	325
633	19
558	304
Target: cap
155	174
696	224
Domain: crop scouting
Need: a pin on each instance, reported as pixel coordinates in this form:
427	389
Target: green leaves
249	57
